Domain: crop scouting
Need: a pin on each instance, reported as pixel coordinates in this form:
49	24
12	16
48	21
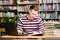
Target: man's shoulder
38	17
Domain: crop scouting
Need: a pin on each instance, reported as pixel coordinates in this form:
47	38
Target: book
56	15
12	14
1	14
20	8
18	1
4	14
25	1
42	15
47	15
44	1
10	7
40	1
14	7
52	15
54	6
54	1
0	7
47	1
51	1
41	7
58	6
51	7
1	2
31	0
46	7
27	7
58	1
11	2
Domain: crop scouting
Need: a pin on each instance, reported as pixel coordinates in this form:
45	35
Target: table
47	34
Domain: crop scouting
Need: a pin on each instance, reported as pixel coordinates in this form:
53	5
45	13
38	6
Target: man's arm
19	27
41	27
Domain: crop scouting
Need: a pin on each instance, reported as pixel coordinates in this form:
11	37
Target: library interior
12	10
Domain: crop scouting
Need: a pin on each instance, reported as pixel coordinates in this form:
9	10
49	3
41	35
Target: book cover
54	1
54	6
47	1
58	1
1	14
51	1
47	15
59	7
44	1
52	15
0	2
41	7
46	7
42	15
40	1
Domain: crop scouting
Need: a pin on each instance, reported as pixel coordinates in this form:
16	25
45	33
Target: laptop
12	30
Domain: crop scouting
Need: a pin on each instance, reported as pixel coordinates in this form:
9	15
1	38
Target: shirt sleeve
19	27
41	26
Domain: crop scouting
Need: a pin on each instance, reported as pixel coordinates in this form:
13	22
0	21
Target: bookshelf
48	9
8	8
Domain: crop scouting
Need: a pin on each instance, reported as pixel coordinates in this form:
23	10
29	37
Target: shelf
7	17
58	10
8	5
52	22
49	3
22	11
42	11
50	18
8	10
47	11
25	3
45	3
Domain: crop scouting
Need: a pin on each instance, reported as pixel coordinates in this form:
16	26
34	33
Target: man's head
33	10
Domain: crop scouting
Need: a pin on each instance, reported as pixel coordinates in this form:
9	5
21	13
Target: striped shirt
30	26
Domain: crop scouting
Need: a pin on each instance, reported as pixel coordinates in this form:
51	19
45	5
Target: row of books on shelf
8	14
43	15
50	21
26	0
48	15
49	1
6	2
41	7
23	8
49	7
20	14
40	1
8	8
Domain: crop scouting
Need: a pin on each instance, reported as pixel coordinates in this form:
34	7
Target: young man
31	23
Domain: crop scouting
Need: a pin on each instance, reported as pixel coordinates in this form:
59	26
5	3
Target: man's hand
20	32
35	32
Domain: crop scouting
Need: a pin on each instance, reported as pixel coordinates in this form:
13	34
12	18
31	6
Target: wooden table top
44	36
49	33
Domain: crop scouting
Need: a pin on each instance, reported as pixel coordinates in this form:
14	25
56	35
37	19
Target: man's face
33	12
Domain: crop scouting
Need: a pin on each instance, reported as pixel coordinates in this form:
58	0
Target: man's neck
29	16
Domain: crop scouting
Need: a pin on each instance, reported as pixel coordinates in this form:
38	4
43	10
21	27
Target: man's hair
35	7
